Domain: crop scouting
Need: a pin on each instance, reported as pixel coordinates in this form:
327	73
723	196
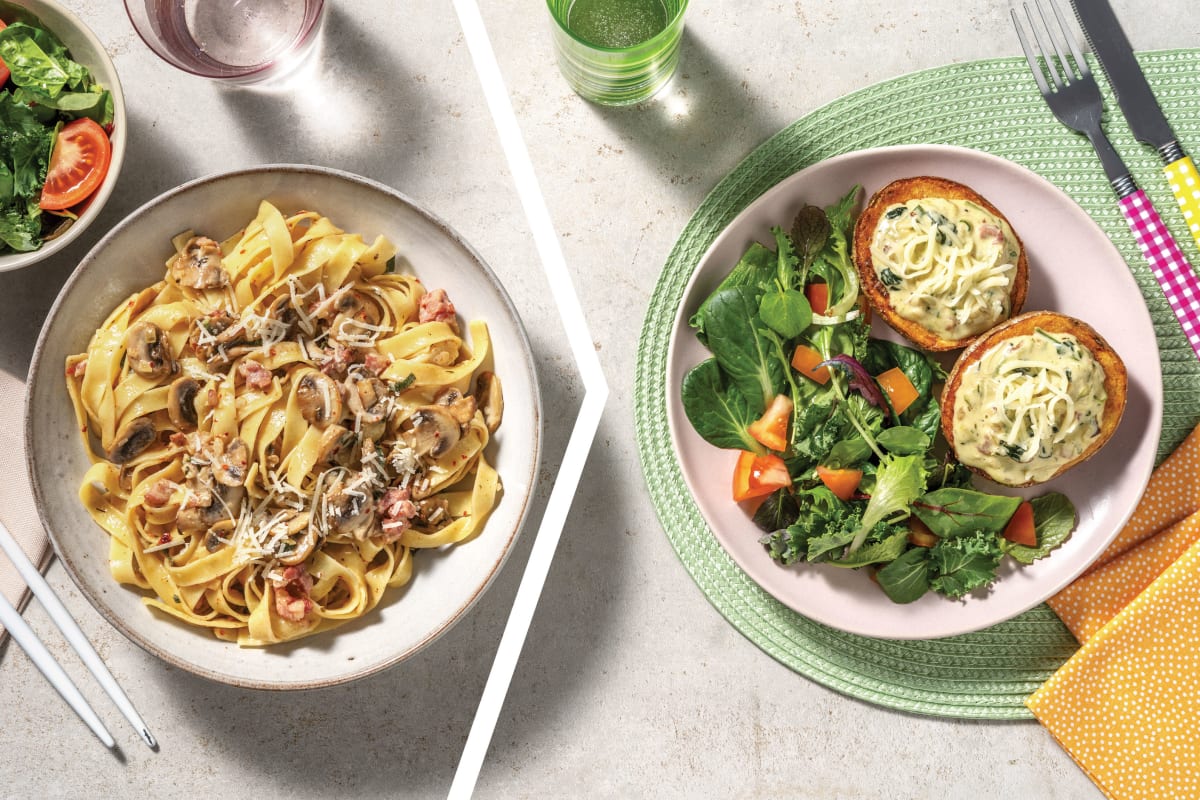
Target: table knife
1139	105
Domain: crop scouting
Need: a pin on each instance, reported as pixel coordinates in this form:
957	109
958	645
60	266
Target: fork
1074	98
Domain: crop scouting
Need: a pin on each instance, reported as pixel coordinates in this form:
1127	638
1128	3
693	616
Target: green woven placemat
991	106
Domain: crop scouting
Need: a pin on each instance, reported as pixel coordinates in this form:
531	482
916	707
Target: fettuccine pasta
278	425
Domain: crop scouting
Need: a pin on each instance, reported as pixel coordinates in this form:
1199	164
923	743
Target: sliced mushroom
230	463
196	518
199	265
334	440
490	397
181	402
296	547
283	311
360	307
210	326
147	351
460	406
132	438
319	399
218	535
349	511
368	397
432	431
434	511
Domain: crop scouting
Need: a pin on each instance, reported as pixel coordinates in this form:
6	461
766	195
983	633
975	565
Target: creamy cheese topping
948	265
1030	405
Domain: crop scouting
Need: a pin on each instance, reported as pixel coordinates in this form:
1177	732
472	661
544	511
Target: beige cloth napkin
17	509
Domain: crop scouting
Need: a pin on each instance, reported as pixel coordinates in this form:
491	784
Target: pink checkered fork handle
1167	262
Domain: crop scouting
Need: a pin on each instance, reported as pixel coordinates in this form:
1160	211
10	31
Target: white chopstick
71	631
23	635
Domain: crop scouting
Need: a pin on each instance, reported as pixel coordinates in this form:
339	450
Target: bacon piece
398	512
376	363
291	594
436	307
78	369
337	360
160	493
255	374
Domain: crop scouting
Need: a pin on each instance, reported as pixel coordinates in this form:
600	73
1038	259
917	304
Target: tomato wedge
771	429
78	164
758	476
805	361
818	297
842	482
1020	529
3	69
899	389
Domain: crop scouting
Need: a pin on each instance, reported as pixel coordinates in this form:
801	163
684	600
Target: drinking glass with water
617	52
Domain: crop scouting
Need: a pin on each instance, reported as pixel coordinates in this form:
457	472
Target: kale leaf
964	563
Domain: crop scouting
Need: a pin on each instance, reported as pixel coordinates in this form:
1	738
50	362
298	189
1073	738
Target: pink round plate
1074	269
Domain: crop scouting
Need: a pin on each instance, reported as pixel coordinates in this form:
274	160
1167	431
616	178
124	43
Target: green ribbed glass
617	52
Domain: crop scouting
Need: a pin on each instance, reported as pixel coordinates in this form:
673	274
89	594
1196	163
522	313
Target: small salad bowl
87	50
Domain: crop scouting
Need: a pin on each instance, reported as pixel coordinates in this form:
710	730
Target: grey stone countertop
630	683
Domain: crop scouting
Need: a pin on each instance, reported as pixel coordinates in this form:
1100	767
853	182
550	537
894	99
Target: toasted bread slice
881	298
1003	469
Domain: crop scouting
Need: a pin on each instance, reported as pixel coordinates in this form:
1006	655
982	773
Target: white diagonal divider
586	423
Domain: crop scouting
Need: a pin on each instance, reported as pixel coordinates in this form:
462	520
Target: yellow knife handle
1185	183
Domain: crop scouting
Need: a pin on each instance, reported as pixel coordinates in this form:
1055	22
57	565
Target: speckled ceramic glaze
445	583
87	50
1073	269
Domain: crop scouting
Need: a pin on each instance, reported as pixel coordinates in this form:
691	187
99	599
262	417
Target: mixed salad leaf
41	90
839	433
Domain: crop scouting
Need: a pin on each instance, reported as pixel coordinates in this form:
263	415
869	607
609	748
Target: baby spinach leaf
36	58
907	578
956	512
743	346
847	453
964	563
928	420
718	412
904	441
95	103
786	311
1054	520
756	268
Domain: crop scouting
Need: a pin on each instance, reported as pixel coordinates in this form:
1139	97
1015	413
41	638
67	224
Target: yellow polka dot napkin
1126	706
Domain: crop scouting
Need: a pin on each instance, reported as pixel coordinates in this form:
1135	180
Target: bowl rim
93	596
10	262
